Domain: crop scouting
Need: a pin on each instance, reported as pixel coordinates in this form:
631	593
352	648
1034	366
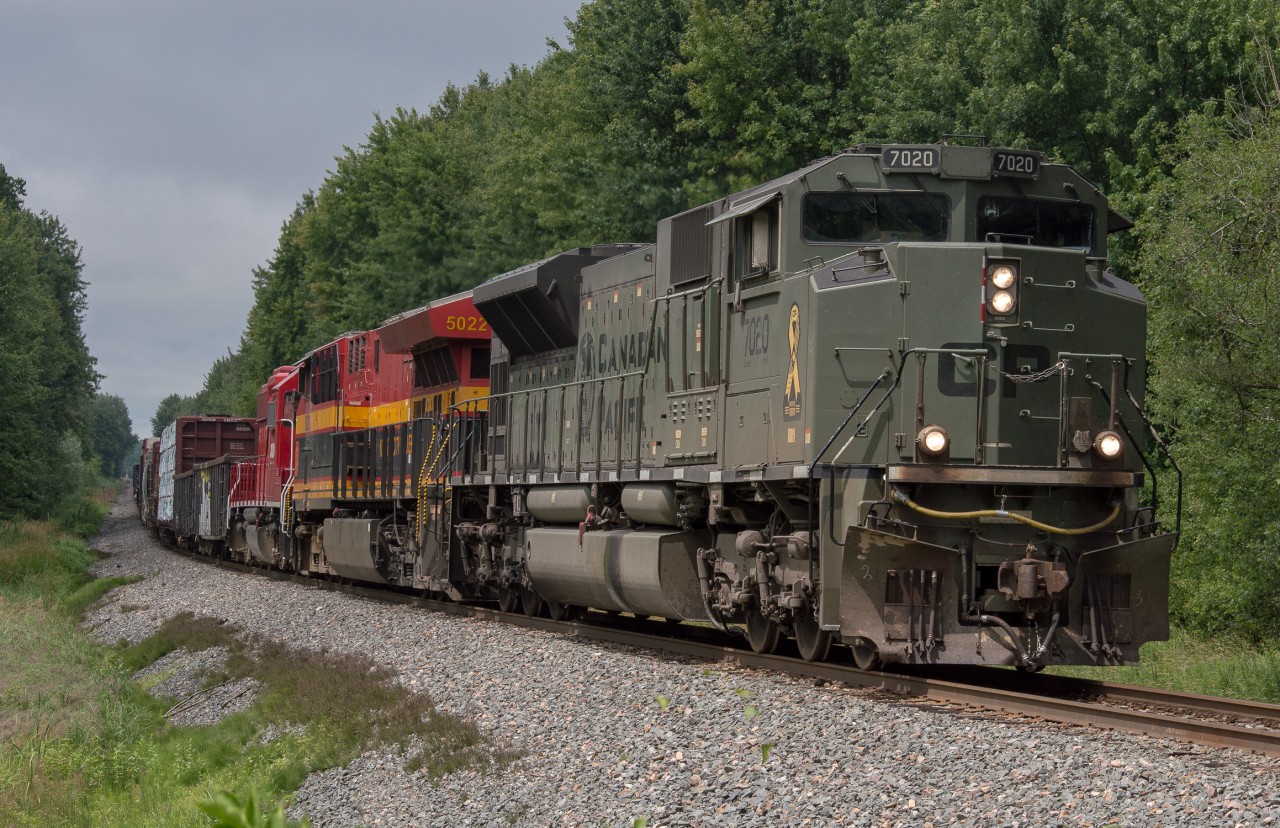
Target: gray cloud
173	137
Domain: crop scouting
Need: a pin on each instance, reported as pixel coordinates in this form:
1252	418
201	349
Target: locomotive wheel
813	642
559	612
763	633
866	656
531	602
509	598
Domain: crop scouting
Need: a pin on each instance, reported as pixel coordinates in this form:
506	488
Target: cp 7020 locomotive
891	401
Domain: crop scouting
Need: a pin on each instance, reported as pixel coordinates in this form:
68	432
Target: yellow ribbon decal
791	397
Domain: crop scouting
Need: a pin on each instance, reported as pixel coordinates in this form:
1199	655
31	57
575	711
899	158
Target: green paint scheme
774	357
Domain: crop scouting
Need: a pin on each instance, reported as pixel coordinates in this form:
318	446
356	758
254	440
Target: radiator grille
690	246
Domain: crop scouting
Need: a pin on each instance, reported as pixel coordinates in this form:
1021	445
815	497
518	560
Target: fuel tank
641	572
351	547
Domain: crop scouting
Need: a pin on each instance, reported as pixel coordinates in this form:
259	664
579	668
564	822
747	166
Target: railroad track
1204	720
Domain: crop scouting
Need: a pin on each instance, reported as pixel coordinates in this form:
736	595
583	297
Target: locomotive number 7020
911	158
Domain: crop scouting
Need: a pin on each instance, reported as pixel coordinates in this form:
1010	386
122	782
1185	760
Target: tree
1211	263
768	85
12	190
24	312
46	371
171	408
112	440
67	365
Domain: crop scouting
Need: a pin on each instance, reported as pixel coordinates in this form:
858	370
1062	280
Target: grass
82	744
82	516
1192	664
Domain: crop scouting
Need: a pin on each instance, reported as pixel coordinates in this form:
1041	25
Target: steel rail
977	690
1096	690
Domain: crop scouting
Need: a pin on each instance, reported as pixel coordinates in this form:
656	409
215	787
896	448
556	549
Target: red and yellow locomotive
356	431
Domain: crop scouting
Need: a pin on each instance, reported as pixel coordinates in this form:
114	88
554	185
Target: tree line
57	433
654	106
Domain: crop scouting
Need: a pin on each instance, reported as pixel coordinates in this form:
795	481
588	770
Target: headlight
1000	290
1003	277
1108	445
933	440
1002	302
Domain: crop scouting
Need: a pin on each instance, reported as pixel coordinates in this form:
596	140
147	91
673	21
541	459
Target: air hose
1001	513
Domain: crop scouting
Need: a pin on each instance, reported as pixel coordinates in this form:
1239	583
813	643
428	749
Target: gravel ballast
611	735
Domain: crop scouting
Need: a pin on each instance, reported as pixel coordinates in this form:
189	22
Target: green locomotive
889	401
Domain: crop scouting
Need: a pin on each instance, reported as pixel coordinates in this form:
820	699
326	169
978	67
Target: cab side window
756	242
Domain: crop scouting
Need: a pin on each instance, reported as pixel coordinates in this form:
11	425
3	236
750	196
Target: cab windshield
874	218
1035	221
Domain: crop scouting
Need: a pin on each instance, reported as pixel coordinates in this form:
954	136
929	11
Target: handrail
231	490
818	457
1064	358
293	472
466	407
1164	450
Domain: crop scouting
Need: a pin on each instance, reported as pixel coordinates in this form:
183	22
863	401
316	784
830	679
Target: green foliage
12	190
47	378
82	514
184	630
67	368
227	811
111	437
658	105
1223	665
276	333
1211	270
26	308
36	560
769	86
171	408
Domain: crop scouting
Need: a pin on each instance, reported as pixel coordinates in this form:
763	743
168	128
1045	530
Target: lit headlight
1002	302
1108	445
1003	276
1000	290
933	440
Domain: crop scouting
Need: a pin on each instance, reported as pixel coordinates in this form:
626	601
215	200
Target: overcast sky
174	137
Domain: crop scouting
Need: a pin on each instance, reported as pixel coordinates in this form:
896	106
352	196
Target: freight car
891	401
147	483
186	443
